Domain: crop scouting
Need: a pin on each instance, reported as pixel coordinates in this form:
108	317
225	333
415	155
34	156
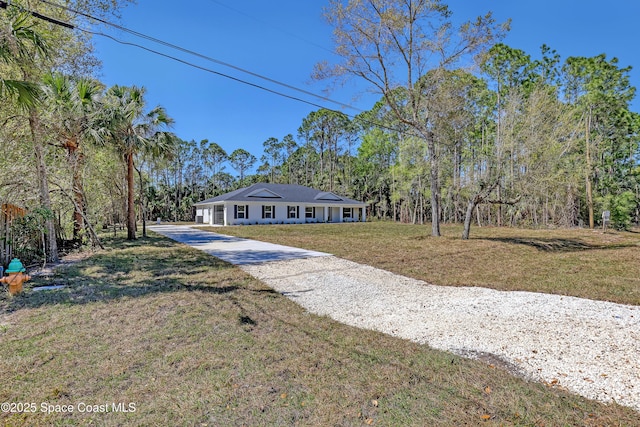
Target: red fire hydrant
16	276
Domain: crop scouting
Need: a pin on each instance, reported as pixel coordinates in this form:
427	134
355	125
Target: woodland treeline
516	140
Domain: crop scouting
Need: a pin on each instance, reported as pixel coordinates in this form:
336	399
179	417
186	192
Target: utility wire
199	55
71	26
203	68
4	4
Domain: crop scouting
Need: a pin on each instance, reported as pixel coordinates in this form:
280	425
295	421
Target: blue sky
284	39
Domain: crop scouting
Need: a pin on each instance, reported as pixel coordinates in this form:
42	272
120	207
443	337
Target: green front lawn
583	263
190	340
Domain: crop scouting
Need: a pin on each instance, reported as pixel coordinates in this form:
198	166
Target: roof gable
264	194
328	196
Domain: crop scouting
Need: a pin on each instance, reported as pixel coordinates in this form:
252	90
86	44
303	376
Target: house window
309	212
293	211
268	212
241	212
347	212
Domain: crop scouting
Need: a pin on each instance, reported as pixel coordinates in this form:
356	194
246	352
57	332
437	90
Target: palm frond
22	42
26	94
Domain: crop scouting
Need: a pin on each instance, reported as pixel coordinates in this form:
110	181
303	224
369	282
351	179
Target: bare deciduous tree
392	44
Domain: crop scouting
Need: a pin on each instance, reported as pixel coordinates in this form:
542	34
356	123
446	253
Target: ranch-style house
278	204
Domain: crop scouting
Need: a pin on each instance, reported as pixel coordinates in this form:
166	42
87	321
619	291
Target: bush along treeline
516	142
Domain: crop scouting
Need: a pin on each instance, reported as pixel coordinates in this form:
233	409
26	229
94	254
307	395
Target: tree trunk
51	244
75	162
468	217
457	178
92	231
143	202
588	171
435	189
131	209
499	214
479	197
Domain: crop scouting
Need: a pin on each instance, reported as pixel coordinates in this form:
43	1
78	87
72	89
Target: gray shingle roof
286	193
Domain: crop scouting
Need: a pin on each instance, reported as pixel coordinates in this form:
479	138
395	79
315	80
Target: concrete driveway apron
232	249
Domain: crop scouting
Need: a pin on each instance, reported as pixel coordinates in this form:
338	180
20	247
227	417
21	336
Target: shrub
621	207
28	235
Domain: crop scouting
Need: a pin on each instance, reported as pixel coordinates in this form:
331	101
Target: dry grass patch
582	263
191	340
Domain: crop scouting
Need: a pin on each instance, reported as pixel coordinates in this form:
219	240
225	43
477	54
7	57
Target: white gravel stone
589	347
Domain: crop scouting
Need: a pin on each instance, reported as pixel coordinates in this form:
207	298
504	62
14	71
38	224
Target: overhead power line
196	54
4	5
204	68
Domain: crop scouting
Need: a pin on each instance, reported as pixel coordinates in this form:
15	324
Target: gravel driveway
232	249
589	347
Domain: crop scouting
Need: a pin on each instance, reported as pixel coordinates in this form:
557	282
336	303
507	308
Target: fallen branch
93	233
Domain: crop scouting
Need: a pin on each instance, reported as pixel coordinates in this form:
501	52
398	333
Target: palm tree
18	44
73	106
133	131
21	47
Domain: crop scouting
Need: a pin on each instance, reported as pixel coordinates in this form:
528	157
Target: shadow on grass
129	269
555	244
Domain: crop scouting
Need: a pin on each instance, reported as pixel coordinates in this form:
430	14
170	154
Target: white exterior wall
255	213
319	214
357	214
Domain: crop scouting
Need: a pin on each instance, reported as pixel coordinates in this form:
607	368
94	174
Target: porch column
364	214
224	215
340	211
326	214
